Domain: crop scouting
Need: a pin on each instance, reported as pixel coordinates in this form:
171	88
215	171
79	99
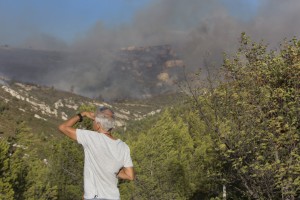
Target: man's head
105	118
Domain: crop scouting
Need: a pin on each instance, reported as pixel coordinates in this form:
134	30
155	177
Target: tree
29	161
253	117
6	188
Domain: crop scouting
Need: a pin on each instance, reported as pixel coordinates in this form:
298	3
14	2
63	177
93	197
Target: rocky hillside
44	107
155	66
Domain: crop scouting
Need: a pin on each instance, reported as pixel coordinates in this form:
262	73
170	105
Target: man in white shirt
106	158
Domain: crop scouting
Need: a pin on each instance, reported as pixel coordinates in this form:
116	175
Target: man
106	157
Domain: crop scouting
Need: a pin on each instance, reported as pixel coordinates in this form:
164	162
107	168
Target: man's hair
106	121
104	108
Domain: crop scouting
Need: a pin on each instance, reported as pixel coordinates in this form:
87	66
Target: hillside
131	72
44	107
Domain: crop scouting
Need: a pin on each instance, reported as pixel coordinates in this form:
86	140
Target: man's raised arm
67	126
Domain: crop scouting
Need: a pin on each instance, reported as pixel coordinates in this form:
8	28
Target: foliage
3	107
66	168
171	160
6	188
253	116
24	175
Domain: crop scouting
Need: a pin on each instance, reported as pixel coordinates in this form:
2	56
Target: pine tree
6	188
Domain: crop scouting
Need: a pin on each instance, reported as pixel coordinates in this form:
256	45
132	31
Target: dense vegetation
237	136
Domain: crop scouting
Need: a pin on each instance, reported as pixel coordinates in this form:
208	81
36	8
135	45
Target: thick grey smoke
194	28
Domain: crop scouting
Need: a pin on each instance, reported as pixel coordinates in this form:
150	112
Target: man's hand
126	173
90	115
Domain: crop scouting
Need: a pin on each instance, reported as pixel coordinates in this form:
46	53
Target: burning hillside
136	72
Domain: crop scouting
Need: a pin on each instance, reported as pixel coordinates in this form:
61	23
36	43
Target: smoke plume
193	28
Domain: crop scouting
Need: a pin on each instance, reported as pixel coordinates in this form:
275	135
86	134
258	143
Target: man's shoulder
125	145
85	132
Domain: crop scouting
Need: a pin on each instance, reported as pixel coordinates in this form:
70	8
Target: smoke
44	41
276	21
198	30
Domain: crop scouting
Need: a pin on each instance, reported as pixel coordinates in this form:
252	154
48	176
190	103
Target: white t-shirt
103	158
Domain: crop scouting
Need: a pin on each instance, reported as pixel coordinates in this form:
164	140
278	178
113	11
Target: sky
243	9
69	19
62	18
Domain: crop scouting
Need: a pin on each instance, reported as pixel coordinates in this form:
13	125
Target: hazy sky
88	33
61	18
69	19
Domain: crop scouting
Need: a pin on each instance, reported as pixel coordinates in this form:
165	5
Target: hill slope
43	108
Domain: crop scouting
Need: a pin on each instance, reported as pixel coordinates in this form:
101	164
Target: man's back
104	157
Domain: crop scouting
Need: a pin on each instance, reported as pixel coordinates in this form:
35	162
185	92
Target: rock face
153	69
174	63
146	63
